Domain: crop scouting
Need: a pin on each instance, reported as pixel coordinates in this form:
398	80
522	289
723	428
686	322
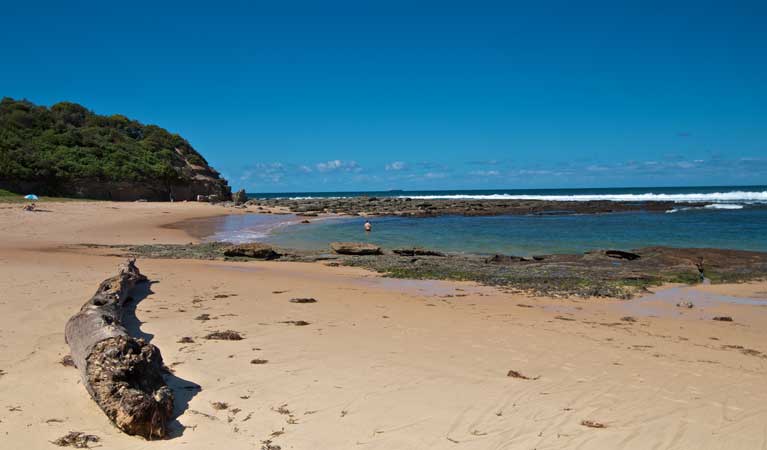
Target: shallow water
663	303
237	228
744	229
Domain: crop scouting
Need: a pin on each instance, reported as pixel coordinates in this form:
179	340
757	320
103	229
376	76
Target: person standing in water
368	226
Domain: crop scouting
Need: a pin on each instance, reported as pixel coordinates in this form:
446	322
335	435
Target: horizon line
507	189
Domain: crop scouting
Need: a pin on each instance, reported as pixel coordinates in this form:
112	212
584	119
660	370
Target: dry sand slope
382	364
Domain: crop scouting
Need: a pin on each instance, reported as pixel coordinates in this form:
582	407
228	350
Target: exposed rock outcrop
558	274
254	250
355	248
240	197
417	251
407	207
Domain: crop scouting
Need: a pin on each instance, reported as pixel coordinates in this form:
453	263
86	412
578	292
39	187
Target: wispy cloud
396	165
338	174
485	173
273	171
338	165
484	162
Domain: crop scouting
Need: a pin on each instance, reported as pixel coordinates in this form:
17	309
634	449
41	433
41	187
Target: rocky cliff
67	150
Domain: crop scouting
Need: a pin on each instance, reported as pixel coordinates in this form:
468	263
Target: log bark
123	374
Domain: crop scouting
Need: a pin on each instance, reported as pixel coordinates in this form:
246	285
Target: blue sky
417	95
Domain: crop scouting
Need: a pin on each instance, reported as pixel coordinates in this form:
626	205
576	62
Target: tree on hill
54	147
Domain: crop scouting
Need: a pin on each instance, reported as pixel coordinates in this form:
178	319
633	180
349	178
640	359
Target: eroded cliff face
194	180
151	191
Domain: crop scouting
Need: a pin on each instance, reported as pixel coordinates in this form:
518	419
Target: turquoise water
744	229
733	217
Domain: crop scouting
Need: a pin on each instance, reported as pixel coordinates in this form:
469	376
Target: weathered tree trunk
123	374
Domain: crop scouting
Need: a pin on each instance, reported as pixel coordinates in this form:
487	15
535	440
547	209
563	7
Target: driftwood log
123	374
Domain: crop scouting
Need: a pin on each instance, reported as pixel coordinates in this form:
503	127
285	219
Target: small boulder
620	254
228	335
355	248
611	254
723	318
255	250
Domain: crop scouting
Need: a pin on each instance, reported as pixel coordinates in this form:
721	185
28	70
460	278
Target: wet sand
234	228
382	364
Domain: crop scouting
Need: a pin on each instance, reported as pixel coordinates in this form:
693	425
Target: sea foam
713	197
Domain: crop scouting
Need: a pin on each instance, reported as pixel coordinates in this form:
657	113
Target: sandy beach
382	363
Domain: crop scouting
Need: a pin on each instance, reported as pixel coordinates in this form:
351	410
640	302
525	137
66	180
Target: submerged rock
355	248
255	250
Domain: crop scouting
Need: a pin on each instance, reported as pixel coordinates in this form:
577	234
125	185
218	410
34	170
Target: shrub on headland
50	148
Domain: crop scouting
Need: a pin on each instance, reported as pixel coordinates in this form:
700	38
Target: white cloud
337	164
330	165
485	173
396	165
274	172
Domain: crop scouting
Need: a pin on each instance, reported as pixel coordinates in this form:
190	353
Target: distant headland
68	150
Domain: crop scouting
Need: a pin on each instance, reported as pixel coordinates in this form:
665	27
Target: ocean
713	194
733	217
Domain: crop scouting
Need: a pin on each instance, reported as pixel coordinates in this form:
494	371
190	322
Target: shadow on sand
183	390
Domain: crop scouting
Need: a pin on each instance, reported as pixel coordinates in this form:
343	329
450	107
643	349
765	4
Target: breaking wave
711	206
718	199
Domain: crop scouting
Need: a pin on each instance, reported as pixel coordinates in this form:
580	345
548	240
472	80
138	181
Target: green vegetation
66	142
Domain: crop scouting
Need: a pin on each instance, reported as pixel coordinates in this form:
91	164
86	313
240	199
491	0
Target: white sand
382	365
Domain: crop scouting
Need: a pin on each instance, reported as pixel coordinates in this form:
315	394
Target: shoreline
388	363
205	229
598	273
594	273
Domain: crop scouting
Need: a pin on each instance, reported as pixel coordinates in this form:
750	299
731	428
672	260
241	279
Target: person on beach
368	226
